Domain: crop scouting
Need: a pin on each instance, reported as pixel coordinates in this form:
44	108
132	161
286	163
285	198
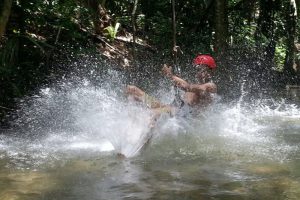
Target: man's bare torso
200	98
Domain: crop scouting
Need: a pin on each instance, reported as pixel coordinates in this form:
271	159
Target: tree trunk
265	23
4	15
297	60
221	27
290	42
145	5
101	19
266	26
298	7
133	19
250	6
103	3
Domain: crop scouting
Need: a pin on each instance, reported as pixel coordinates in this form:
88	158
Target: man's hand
167	71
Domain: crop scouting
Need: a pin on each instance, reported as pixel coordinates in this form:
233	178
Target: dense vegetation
253	38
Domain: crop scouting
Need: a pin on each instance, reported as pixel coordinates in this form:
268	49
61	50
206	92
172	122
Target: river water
66	139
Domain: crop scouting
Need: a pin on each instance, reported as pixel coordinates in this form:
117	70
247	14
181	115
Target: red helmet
205	60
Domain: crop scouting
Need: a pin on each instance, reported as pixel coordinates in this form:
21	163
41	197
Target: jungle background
43	40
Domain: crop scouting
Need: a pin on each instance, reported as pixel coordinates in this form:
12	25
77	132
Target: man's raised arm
184	85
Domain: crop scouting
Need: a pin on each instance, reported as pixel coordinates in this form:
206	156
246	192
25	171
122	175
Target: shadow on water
66	138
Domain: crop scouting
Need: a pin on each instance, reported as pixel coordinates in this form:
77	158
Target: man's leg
139	95
157	108
135	92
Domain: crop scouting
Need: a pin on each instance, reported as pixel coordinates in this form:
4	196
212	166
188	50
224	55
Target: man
196	95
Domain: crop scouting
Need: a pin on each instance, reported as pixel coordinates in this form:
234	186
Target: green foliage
280	53
242	31
46	17
111	32
21	69
162	30
297	56
37	26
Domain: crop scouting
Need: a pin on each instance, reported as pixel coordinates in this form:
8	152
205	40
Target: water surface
65	144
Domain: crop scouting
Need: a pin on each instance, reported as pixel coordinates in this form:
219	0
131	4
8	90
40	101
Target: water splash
71	120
